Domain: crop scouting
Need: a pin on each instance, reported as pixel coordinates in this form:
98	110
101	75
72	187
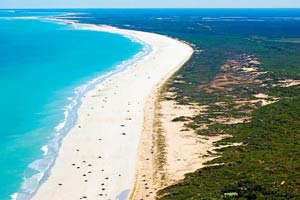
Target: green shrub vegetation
267	165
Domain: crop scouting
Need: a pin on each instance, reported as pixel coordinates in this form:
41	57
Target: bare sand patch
289	83
168	149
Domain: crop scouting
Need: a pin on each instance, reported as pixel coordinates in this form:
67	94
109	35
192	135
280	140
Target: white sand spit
97	158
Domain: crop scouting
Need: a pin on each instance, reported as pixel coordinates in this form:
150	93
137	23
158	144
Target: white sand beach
98	156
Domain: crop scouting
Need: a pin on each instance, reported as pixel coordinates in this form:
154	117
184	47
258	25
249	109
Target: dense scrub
266	166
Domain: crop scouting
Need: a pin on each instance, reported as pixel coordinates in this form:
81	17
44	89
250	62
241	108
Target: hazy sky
150	3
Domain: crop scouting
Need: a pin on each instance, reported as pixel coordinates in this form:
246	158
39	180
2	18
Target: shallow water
42	65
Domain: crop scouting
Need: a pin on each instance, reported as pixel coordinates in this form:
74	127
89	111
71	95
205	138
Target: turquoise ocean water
45	67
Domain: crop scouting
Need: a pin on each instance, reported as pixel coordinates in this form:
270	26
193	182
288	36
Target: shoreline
142	73
63	128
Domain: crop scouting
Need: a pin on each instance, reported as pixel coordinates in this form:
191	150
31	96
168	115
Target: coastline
94	161
147	152
43	166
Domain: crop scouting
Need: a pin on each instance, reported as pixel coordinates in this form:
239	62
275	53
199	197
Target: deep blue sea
45	67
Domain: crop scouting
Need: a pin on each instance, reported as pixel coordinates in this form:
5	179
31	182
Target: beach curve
97	157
